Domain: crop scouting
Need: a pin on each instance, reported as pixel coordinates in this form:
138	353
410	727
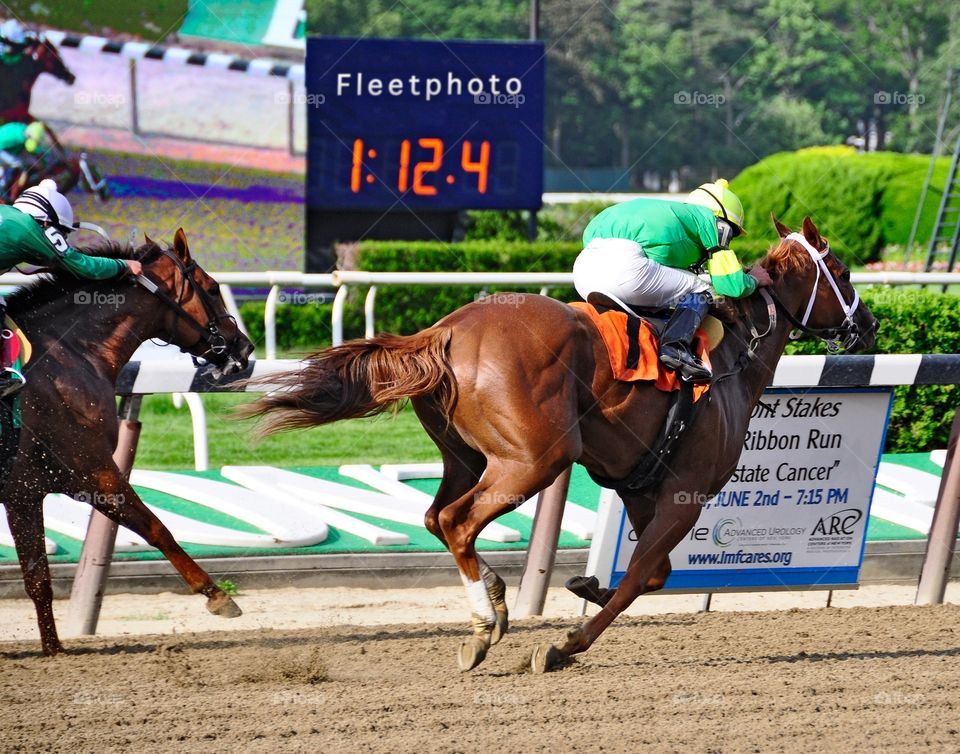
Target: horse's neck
759	373
102	335
17	81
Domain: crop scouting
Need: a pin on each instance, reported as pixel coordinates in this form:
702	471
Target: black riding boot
676	351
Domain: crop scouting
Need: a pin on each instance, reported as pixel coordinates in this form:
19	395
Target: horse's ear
180	245
782	229
811	233
148	240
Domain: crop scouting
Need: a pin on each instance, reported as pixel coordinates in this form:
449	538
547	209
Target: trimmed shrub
860	202
409	308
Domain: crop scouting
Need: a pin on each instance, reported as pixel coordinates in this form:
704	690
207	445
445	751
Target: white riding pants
618	267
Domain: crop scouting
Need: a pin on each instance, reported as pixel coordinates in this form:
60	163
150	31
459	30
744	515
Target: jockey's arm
49	248
728	276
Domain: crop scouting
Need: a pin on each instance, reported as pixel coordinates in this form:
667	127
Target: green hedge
409	308
861	202
913	321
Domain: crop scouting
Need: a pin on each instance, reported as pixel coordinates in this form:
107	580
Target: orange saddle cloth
635	359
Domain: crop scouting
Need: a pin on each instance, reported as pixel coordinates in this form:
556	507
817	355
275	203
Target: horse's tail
360	378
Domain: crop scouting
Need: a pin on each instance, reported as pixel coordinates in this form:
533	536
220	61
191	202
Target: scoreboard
420	129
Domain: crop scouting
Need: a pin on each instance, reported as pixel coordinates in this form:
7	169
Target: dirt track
801	680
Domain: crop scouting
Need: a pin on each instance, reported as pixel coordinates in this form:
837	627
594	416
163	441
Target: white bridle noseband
822	269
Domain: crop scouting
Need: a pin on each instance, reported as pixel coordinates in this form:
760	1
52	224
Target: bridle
837	338
209	334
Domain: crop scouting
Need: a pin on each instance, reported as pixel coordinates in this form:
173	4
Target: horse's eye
845	276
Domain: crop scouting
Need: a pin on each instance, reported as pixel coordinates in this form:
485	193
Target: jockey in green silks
34	230
20	141
647	253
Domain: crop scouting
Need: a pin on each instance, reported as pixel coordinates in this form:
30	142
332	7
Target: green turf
166	441
237	21
337	541
152	21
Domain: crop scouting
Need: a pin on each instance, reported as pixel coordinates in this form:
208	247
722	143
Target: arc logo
838	524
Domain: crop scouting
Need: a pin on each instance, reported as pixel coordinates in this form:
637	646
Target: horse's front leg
648	571
25	516
117	500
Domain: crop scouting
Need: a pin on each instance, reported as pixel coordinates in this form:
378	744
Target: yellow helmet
35	137
719	199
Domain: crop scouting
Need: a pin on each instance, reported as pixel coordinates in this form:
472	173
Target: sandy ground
795	680
171	614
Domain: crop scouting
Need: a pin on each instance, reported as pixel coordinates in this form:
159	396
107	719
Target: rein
209	333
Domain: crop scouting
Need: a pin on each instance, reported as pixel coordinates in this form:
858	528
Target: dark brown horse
513	393
39	56
82	333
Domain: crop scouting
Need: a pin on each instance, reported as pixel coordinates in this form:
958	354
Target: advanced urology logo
725	531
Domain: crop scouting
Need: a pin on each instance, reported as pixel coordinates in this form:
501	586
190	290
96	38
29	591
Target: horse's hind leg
118	501
503	487
25	516
462	468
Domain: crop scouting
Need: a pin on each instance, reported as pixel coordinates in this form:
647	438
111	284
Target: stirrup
11	382
691	369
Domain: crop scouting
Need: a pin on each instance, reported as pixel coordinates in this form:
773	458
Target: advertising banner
795	512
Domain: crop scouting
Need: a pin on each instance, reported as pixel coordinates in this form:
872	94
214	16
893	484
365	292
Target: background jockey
13	41
34	230
20	141
647	252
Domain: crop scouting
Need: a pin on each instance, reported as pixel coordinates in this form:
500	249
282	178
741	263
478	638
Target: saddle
630	335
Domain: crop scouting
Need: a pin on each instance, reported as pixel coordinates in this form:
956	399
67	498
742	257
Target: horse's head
197	319
827	305
48	60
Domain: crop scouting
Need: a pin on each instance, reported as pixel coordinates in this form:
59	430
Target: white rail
343	279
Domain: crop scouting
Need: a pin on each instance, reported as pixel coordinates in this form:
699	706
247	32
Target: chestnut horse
82	333
513	393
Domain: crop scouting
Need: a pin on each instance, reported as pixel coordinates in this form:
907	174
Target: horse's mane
57	284
780	260
785	259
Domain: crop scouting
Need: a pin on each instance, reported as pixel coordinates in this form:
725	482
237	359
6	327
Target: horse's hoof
500	627
545	658
223	605
472	652
498	596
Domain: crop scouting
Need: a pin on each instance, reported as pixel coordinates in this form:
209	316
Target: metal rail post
90	581
134	109
543	548
943	531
